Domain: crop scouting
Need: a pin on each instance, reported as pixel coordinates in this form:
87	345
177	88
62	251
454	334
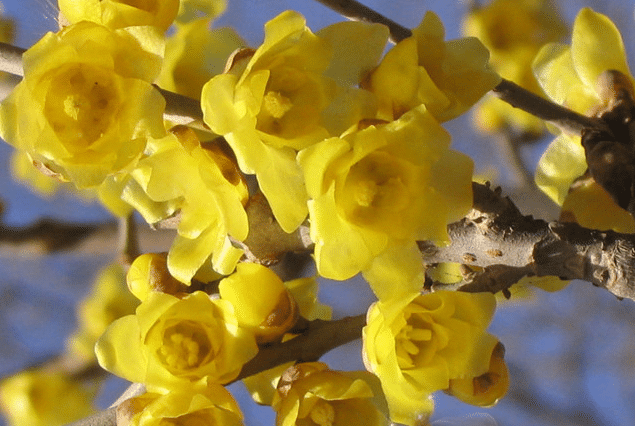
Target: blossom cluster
344	139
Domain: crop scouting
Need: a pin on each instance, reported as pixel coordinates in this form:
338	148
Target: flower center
276	104
409	342
81	105
376	192
185	346
322	413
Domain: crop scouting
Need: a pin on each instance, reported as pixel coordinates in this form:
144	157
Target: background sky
569	353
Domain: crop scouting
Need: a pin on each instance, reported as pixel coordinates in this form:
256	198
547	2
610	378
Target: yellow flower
206	185
378	190
108	300
205	405
416	346
447	77
38	398
513	31
85	105
281	98
574	76
121	13
172	343
185	73
261	302
485	389
312	394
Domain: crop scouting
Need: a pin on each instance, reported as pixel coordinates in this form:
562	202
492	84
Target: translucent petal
596	46
357	48
562	162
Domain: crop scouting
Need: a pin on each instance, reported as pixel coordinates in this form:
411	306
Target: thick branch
508	245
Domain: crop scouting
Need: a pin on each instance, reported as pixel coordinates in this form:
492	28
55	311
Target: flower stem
11	59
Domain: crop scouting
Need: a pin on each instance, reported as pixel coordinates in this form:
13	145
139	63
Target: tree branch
46	236
509	246
319	338
356	11
565	119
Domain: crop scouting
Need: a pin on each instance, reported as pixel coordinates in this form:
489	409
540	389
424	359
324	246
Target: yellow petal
596	47
357	48
562	163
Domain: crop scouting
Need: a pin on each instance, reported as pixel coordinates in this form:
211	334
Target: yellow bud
261	301
149	272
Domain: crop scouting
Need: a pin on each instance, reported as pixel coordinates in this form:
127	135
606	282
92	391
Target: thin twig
11	59
46	236
565	119
356	11
320	337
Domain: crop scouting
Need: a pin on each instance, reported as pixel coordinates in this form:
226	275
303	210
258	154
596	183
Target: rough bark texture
509	246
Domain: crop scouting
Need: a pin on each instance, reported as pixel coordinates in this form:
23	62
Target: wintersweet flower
39	398
281	98
261	302
575	76
86	106
312	394
376	191
205	185
447	77
513	32
108	300
173	343
202	405
417	346
121	13
185	73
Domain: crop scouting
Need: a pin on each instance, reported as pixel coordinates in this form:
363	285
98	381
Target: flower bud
149	272
261	301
